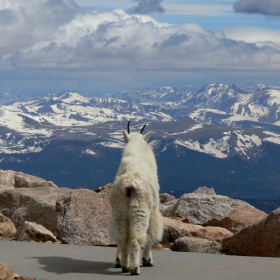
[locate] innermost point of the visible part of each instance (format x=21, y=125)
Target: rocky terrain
x=222, y=136
x=35, y=210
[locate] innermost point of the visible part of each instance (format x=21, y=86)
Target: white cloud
x=55, y=34
x=172, y=7
x=147, y=7
x=105, y=4
x=265, y=7
x=252, y=34
x=183, y=8
x=25, y=22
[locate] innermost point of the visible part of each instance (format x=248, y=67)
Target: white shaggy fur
x=134, y=197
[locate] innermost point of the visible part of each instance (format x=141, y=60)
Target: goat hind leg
x=135, y=247
x=154, y=234
x=122, y=258
x=118, y=258
x=125, y=257
x=147, y=259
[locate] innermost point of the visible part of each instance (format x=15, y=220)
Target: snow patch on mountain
x=273, y=137
x=274, y=97
x=89, y=152
x=20, y=145
x=200, y=114
x=112, y=144
x=21, y=122
x=116, y=135
x=73, y=97
x=192, y=128
x=155, y=143
x=233, y=142
x=246, y=143
x=203, y=148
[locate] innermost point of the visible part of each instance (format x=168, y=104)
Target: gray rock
x=238, y=219
x=33, y=205
x=7, y=178
x=166, y=197
x=23, y=182
x=7, y=227
x=6, y=273
x=2, y=187
x=203, y=207
x=174, y=229
x=83, y=217
x=165, y=208
x=31, y=231
x=197, y=245
x=205, y=190
x=261, y=239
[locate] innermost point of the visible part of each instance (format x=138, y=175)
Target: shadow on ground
x=63, y=265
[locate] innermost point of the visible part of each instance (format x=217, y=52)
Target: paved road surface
x=70, y=262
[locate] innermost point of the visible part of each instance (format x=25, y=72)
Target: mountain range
x=225, y=137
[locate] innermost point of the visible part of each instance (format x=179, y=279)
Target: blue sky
x=210, y=14
x=103, y=46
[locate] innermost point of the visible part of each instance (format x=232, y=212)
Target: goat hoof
x=118, y=263
x=147, y=263
x=125, y=269
x=135, y=271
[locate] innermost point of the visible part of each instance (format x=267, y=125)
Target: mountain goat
x=135, y=220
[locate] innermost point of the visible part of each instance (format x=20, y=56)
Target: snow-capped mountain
x=254, y=105
x=220, y=104
x=70, y=109
x=156, y=96
x=227, y=126
x=223, y=105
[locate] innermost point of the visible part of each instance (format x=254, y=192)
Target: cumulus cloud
x=39, y=36
x=147, y=7
x=265, y=7
x=7, y=17
x=252, y=34
x=25, y=22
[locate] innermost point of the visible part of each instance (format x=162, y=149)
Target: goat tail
x=130, y=187
x=155, y=230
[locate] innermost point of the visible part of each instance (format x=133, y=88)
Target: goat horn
x=128, y=130
x=142, y=128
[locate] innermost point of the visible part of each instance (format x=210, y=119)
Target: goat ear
x=147, y=136
x=125, y=135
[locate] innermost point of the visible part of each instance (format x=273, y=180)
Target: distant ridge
x=225, y=137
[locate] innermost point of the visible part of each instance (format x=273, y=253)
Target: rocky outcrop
x=6, y=273
x=204, y=205
x=43, y=211
x=174, y=229
x=7, y=228
x=31, y=204
x=166, y=208
x=10, y=179
x=205, y=190
x=31, y=231
x=184, y=220
x=238, y=219
x=166, y=197
x=2, y=187
x=261, y=239
x=23, y=182
x=197, y=245
x=83, y=217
